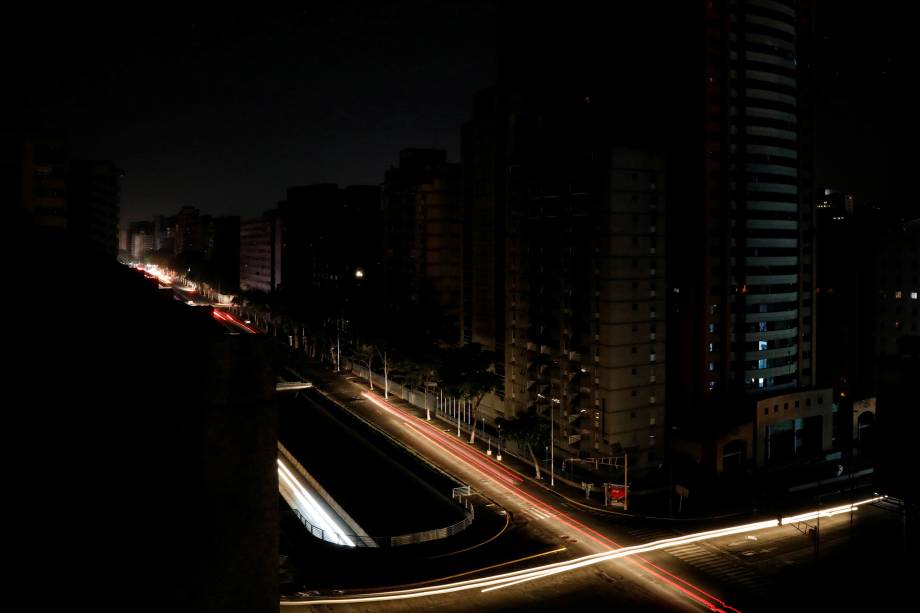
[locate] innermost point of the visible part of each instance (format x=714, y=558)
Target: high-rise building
x=122, y=240
x=94, y=192
x=484, y=154
x=45, y=168
x=325, y=238
x=898, y=304
x=742, y=266
x=140, y=235
x=189, y=231
x=164, y=233
x=564, y=238
x=224, y=254
x=422, y=233
x=840, y=277
x=757, y=284
x=585, y=297
x=736, y=292
x=260, y=253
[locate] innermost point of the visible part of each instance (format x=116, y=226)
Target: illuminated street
x=691, y=571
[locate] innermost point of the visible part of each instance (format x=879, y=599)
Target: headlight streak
x=316, y=512
x=521, y=576
x=494, y=469
x=829, y=512
x=508, y=579
x=635, y=549
x=561, y=517
x=227, y=317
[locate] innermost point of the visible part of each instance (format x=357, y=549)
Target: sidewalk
x=564, y=489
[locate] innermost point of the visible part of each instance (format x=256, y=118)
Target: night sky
x=224, y=110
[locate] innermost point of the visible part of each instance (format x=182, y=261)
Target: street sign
x=682, y=491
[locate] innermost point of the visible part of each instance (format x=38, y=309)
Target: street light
x=552, y=446
x=499, y=456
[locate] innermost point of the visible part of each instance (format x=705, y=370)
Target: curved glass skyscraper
x=758, y=280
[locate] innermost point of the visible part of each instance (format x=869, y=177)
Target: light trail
x=314, y=510
x=499, y=581
x=491, y=469
x=518, y=577
x=846, y=508
x=515, y=577
x=694, y=592
x=229, y=318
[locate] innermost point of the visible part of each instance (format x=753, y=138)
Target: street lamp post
x=552, y=445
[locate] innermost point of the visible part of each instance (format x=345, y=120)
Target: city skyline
x=225, y=111
x=464, y=306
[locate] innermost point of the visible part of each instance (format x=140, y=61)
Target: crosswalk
x=720, y=565
x=533, y=512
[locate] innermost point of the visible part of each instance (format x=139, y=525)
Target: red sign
x=616, y=492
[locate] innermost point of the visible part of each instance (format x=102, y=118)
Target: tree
x=421, y=370
x=528, y=430
x=364, y=354
x=468, y=372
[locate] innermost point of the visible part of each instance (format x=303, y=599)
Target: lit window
x=913, y=295
x=897, y=294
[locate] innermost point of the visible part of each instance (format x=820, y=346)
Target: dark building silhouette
x=44, y=170
x=224, y=254
x=75, y=202
x=190, y=235
x=898, y=265
x=564, y=237
x=93, y=195
x=737, y=284
x=841, y=246
x=422, y=234
x=330, y=248
x=164, y=233
x=895, y=429
x=155, y=466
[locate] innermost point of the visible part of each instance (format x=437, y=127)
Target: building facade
x=260, y=254
x=94, y=193
x=585, y=297
x=423, y=234
x=758, y=278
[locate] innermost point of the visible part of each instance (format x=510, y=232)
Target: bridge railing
x=389, y=541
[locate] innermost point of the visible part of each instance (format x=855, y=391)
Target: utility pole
x=552, y=443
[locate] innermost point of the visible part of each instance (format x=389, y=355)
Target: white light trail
x=508, y=579
x=316, y=513
x=792, y=519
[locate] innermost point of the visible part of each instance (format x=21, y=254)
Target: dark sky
x=224, y=109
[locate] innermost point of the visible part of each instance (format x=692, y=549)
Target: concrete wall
x=797, y=405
